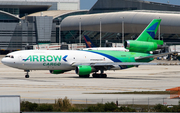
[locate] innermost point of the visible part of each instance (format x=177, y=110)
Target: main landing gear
x=27, y=75
x=101, y=75
x=84, y=76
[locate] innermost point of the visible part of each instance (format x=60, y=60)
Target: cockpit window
x=7, y=56
x=10, y=56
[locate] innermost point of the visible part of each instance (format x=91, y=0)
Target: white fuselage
x=51, y=59
x=108, y=48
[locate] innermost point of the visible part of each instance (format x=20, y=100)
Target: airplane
x=91, y=46
x=85, y=62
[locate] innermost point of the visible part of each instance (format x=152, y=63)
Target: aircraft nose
x=4, y=61
x=9, y=62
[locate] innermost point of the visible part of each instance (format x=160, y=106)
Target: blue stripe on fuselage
x=108, y=56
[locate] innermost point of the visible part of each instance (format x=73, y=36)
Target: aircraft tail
x=145, y=42
x=88, y=42
x=150, y=31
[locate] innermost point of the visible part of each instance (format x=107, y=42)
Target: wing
x=106, y=64
x=94, y=64
x=114, y=63
x=154, y=56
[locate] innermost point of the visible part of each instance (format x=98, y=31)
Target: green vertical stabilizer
x=149, y=33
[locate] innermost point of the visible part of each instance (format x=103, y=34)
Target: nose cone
x=7, y=62
x=3, y=60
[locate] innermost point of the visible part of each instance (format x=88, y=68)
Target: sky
x=87, y=4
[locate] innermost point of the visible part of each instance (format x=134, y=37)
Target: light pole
x=100, y=32
x=59, y=31
x=80, y=30
x=122, y=29
x=159, y=35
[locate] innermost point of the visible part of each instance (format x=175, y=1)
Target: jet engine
x=83, y=70
x=57, y=71
x=141, y=46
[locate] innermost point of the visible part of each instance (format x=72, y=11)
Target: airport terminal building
x=30, y=22
x=112, y=18
x=19, y=28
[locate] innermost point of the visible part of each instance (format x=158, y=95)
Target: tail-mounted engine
x=141, y=46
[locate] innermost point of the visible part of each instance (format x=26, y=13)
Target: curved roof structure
x=134, y=21
x=126, y=5
x=55, y=13
x=10, y=15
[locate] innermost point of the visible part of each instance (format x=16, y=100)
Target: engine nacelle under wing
x=83, y=70
x=57, y=71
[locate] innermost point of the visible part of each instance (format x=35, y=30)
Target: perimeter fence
x=133, y=101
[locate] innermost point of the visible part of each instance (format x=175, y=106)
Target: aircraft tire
x=26, y=76
x=99, y=76
x=174, y=57
x=84, y=76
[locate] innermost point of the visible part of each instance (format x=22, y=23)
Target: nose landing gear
x=27, y=75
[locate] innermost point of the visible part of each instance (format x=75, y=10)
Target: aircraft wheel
x=26, y=76
x=104, y=76
x=94, y=75
x=169, y=57
x=84, y=76
x=99, y=76
x=174, y=57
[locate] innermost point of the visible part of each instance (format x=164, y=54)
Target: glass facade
x=59, y=19
x=73, y=37
x=15, y=36
x=7, y=18
x=14, y=11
